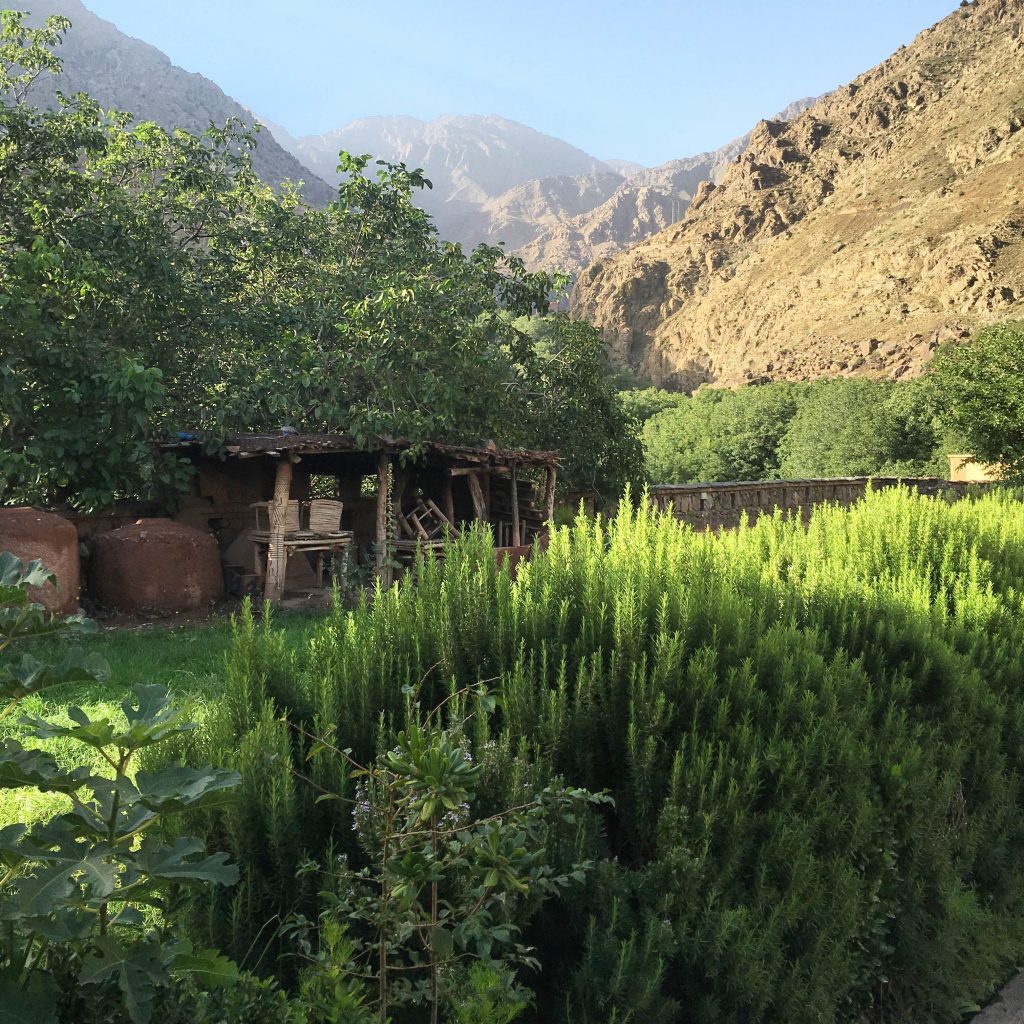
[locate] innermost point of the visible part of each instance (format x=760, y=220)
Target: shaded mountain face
x=128, y=74
x=852, y=239
x=645, y=202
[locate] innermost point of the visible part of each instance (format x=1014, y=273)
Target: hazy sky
x=647, y=80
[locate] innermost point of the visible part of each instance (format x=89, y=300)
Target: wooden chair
x=427, y=522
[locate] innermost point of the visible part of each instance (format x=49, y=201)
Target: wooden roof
x=274, y=445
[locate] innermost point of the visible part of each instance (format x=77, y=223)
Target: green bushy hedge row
x=814, y=737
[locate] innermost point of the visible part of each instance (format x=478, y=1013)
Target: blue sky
x=647, y=80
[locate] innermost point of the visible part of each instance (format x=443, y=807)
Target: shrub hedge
x=814, y=736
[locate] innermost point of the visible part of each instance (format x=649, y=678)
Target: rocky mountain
x=851, y=239
x=470, y=162
x=647, y=201
x=126, y=73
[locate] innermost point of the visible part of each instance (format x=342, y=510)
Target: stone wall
x=712, y=506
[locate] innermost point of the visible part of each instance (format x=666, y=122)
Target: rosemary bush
x=813, y=735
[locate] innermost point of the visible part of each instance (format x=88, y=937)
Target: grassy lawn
x=187, y=659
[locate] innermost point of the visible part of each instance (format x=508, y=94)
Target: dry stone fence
x=714, y=506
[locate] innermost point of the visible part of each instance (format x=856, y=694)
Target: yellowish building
x=963, y=469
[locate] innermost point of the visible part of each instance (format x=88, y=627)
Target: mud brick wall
x=724, y=505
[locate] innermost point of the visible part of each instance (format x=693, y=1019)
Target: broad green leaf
x=138, y=970
x=35, y=1005
x=177, y=861
x=176, y=787
x=37, y=768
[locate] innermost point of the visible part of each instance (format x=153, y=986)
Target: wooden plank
x=277, y=552
x=477, y=494
x=383, y=527
x=516, y=534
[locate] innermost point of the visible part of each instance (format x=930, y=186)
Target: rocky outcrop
x=852, y=239
x=128, y=74
x=646, y=202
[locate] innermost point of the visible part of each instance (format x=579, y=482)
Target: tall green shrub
x=813, y=736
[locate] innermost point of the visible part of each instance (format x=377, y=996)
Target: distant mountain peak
x=129, y=74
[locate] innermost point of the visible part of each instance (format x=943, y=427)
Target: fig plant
x=81, y=893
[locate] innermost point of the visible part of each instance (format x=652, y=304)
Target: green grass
x=188, y=660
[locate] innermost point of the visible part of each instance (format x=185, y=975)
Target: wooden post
x=277, y=553
x=477, y=494
x=383, y=526
x=449, y=500
x=516, y=535
x=549, y=494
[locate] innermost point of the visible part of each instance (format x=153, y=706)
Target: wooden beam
x=471, y=470
x=277, y=553
x=549, y=493
x=477, y=494
x=383, y=531
x=517, y=538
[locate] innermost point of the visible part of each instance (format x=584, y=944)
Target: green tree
x=570, y=402
x=720, y=434
x=981, y=387
x=151, y=283
x=859, y=427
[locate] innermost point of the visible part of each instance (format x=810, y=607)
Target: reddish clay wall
x=29, y=533
x=155, y=566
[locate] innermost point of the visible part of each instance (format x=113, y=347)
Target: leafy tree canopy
x=981, y=387
x=842, y=427
x=151, y=283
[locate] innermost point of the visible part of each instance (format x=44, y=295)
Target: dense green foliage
x=814, y=737
x=982, y=388
x=150, y=282
x=829, y=428
x=75, y=885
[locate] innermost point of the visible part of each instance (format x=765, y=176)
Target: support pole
x=477, y=494
x=549, y=494
x=383, y=531
x=449, y=500
x=277, y=552
x=516, y=535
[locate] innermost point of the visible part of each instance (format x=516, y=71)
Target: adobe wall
x=723, y=505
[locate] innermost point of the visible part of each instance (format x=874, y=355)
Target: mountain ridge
x=130, y=74
x=852, y=239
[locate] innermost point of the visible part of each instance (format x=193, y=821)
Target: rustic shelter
x=276, y=499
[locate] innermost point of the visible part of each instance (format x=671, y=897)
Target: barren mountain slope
x=646, y=202
x=849, y=240
x=128, y=74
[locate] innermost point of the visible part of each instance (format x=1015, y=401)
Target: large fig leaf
x=18, y=678
x=176, y=787
x=208, y=967
x=150, y=717
x=178, y=862
x=138, y=970
x=21, y=767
